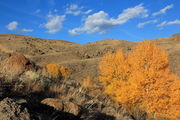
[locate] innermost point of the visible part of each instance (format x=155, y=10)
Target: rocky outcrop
x=72, y=108
x=11, y=110
x=53, y=102
x=17, y=64
x=59, y=105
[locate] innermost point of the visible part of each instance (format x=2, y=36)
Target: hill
x=81, y=59
x=73, y=97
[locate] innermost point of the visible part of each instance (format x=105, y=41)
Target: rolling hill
x=82, y=60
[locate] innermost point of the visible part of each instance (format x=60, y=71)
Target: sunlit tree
x=142, y=78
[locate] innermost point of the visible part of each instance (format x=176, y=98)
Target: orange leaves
x=114, y=71
x=142, y=78
x=147, y=56
x=57, y=70
x=175, y=95
x=53, y=69
x=114, y=67
x=64, y=71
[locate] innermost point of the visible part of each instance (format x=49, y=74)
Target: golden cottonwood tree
x=142, y=78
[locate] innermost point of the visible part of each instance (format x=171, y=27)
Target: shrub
x=53, y=69
x=32, y=75
x=142, y=78
x=57, y=70
x=88, y=83
x=64, y=71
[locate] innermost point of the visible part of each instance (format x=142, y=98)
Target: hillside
x=81, y=59
x=30, y=92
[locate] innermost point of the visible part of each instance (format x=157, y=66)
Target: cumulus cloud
x=75, y=10
x=54, y=23
x=141, y=25
x=163, y=11
x=101, y=22
x=166, y=23
x=12, y=25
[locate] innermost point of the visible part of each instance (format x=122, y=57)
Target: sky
x=84, y=21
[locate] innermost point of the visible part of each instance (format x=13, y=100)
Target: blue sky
x=84, y=21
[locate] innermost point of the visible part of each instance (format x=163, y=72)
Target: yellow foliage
x=87, y=83
x=53, y=69
x=142, y=78
x=57, y=70
x=64, y=71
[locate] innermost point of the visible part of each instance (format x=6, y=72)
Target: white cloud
x=165, y=23
x=141, y=25
x=76, y=31
x=129, y=13
x=98, y=22
x=54, y=23
x=163, y=11
x=88, y=11
x=12, y=25
x=75, y=10
x=26, y=30
x=101, y=22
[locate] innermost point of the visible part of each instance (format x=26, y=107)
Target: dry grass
x=87, y=83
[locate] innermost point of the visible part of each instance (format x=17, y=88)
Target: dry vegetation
x=57, y=71
x=138, y=82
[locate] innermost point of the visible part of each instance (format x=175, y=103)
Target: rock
x=73, y=108
x=21, y=101
x=10, y=110
x=17, y=64
x=95, y=115
x=53, y=102
x=57, y=104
